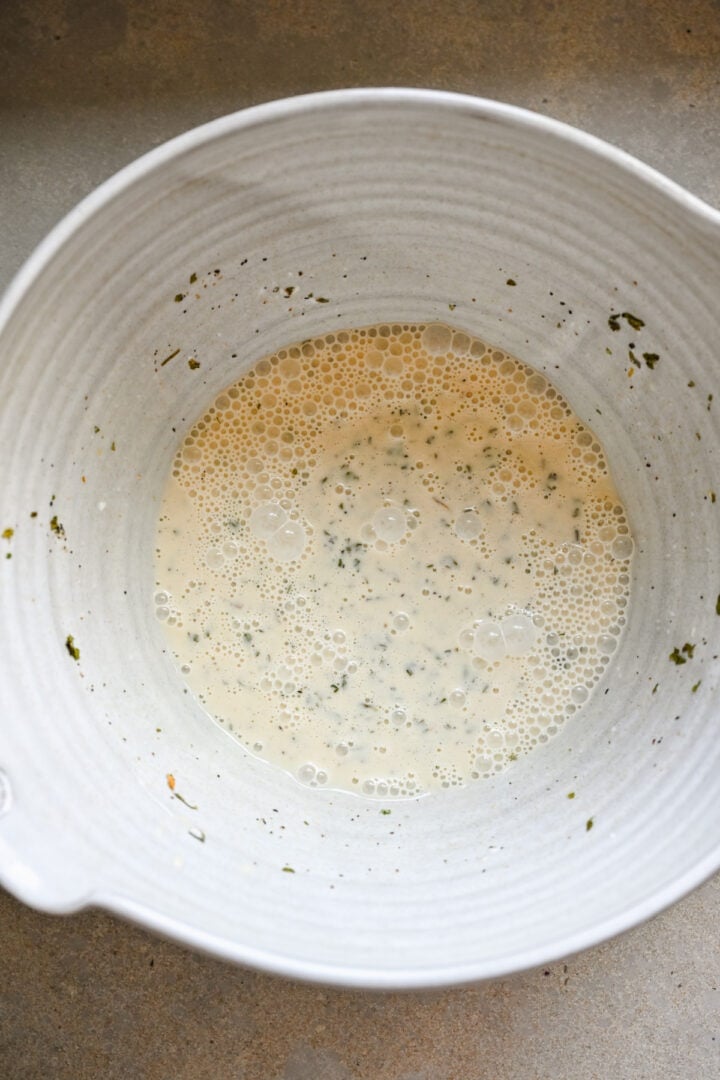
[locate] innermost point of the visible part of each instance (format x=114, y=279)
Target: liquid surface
x=391, y=560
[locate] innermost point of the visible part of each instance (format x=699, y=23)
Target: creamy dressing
x=391, y=560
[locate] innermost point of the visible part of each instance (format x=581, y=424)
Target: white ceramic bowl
x=395, y=204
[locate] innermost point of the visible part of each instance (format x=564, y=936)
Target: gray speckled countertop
x=86, y=86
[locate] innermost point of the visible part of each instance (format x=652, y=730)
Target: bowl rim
x=399, y=979
x=272, y=111
x=371, y=978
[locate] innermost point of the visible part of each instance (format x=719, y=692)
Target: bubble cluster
x=285, y=539
x=392, y=560
x=515, y=635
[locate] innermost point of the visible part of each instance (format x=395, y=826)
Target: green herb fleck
x=717, y=605
x=335, y=687
x=511, y=281
x=655, y=688
x=56, y=526
x=33, y=513
x=632, y=320
x=96, y=429
x=383, y=811
x=452, y=306
x=193, y=279
x=169, y=358
x=288, y=870
x=680, y=656
x=193, y=364
x=571, y=794
x=695, y=687
x=289, y=290
x=651, y=359
x=179, y=297
x=589, y=824
x=8, y=534
x=113, y=446
x=72, y=647
x=190, y=806
x=321, y=300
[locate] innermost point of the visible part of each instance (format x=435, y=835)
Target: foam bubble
x=489, y=641
x=288, y=542
x=520, y=634
x=436, y=339
x=468, y=525
x=622, y=547
x=266, y=519
x=390, y=524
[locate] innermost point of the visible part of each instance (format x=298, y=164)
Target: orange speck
x=170, y=781
x=84, y=479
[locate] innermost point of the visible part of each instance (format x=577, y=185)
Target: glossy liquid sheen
x=391, y=560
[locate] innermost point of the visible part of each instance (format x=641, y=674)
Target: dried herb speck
x=72, y=647
x=681, y=656
x=632, y=320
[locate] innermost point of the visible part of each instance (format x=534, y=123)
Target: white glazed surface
x=424, y=200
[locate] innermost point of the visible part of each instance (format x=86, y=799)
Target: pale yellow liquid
x=392, y=560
